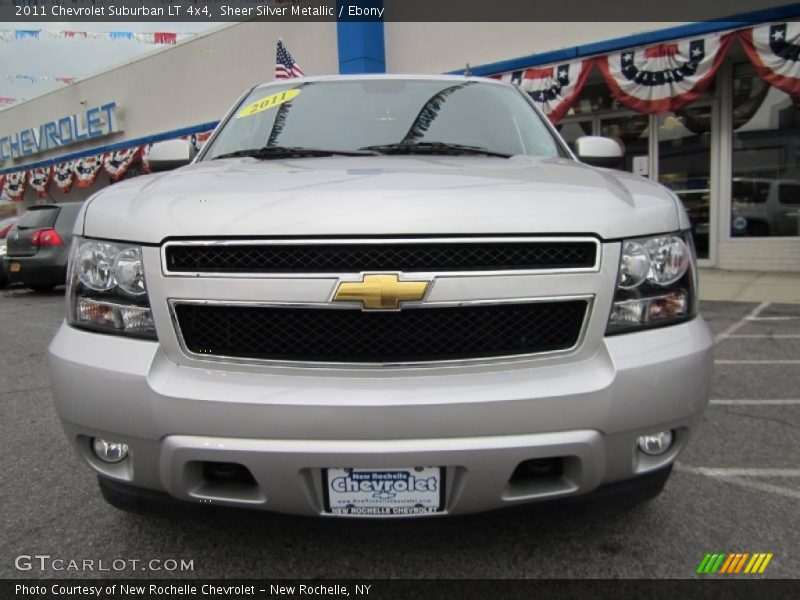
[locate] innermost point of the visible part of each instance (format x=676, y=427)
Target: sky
x=74, y=57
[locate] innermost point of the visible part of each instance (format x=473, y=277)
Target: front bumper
x=286, y=426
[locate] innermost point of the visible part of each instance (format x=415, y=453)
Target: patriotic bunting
x=39, y=179
x=87, y=169
x=84, y=170
x=21, y=34
x=774, y=50
x=117, y=163
x=553, y=88
x=158, y=37
x=32, y=78
x=163, y=37
x=665, y=77
x=64, y=175
x=15, y=185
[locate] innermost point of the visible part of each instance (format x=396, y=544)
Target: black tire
x=41, y=288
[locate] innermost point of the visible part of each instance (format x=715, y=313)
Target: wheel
x=42, y=287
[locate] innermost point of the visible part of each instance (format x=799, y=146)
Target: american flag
x=285, y=67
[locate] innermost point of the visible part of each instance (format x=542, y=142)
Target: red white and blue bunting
x=664, y=77
x=14, y=187
x=157, y=37
x=83, y=170
x=64, y=175
x=39, y=180
x=87, y=169
x=553, y=88
x=117, y=163
x=35, y=78
x=774, y=50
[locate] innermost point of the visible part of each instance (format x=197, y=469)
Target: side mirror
x=599, y=151
x=169, y=154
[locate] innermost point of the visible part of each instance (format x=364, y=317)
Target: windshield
x=367, y=115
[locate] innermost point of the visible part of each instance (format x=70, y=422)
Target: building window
x=684, y=165
x=765, y=191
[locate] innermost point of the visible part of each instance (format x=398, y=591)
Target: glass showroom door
x=684, y=165
x=632, y=132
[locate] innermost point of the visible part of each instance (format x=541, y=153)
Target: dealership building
x=710, y=109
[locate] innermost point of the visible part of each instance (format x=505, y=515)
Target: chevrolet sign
x=70, y=129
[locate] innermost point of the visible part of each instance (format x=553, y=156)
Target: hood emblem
x=377, y=292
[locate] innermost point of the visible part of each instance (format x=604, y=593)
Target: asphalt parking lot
x=735, y=489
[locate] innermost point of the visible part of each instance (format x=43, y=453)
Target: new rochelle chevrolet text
x=382, y=296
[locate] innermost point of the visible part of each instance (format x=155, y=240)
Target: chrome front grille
x=274, y=300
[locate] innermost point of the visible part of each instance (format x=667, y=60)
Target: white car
x=762, y=207
x=382, y=296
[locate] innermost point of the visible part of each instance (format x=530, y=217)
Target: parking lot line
x=743, y=321
x=748, y=478
x=782, y=318
x=755, y=402
x=746, y=472
x=743, y=336
x=724, y=361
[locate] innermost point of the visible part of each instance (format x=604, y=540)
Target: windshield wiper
x=432, y=148
x=290, y=152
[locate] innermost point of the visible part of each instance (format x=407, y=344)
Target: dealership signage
x=64, y=131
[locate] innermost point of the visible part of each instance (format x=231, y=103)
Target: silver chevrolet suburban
x=382, y=296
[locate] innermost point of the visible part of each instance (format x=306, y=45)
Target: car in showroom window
x=382, y=296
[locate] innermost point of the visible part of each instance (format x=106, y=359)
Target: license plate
x=401, y=492
x=14, y=267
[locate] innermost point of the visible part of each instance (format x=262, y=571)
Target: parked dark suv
x=38, y=245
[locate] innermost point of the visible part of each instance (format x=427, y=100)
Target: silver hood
x=379, y=195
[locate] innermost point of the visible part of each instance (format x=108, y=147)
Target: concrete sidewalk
x=750, y=286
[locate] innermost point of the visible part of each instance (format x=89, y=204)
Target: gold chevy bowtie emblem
x=380, y=291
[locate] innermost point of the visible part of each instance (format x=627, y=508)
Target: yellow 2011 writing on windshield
x=267, y=102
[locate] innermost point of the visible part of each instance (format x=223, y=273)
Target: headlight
x=107, y=289
x=655, y=283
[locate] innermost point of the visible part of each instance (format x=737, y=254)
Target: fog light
x=110, y=452
x=655, y=444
